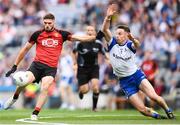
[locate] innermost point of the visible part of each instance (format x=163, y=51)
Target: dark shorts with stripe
x=41, y=70
x=86, y=73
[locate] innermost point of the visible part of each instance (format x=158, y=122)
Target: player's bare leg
x=147, y=88
x=137, y=102
x=13, y=99
x=63, y=97
x=71, y=98
x=45, y=84
x=67, y=97
x=19, y=89
x=95, y=88
x=83, y=89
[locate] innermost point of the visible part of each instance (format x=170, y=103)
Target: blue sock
x=168, y=110
x=155, y=115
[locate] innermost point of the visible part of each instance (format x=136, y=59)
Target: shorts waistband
x=120, y=78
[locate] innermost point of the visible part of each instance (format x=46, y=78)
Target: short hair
x=49, y=16
x=124, y=27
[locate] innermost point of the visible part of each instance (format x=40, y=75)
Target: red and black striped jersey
x=49, y=45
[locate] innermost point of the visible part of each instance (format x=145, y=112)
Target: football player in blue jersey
x=122, y=48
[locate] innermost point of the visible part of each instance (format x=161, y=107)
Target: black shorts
x=41, y=70
x=85, y=74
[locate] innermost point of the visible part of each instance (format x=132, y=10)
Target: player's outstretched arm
x=19, y=57
x=84, y=38
x=112, y=9
x=135, y=41
x=23, y=52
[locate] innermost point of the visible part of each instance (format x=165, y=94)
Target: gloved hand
x=12, y=70
x=99, y=35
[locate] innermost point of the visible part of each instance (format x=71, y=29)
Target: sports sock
x=81, y=95
x=170, y=113
x=36, y=111
x=95, y=99
x=168, y=110
x=155, y=115
x=16, y=95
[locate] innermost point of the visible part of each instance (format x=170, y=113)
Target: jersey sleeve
x=101, y=47
x=66, y=35
x=75, y=47
x=102, y=50
x=34, y=36
x=111, y=43
x=129, y=45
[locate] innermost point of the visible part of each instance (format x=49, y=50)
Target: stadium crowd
x=155, y=23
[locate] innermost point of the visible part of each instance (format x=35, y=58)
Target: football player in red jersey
x=150, y=68
x=49, y=41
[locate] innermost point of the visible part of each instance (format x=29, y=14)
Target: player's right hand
x=112, y=9
x=12, y=70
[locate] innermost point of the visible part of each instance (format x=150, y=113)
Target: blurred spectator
x=66, y=80
x=150, y=67
x=30, y=94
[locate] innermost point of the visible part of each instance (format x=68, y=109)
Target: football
x=20, y=78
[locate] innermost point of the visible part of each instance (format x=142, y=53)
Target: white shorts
x=66, y=81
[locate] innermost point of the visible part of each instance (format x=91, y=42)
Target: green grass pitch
x=64, y=117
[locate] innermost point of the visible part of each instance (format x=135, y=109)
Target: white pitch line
x=27, y=120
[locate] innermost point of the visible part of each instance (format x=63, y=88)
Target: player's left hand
x=12, y=70
x=131, y=37
x=100, y=35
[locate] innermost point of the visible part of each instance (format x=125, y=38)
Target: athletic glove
x=12, y=70
x=99, y=35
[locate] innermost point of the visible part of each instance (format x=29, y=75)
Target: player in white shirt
x=122, y=48
x=66, y=80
